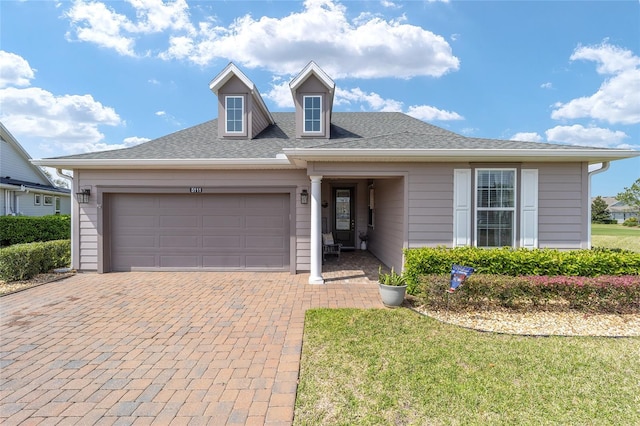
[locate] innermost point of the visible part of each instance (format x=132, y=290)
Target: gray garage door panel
x=195, y=231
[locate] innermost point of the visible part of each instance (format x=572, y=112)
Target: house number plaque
x=195, y=189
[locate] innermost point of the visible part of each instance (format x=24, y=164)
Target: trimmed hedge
x=28, y=229
x=23, y=261
x=518, y=262
x=603, y=294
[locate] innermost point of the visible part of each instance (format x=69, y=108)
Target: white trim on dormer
x=312, y=68
x=320, y=119
x=232, y=70
x=242, y=120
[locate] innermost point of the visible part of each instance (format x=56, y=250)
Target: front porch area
x=353, y=267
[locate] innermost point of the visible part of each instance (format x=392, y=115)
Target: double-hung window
x=234, y=107
x=312, y=114
x=495, y=207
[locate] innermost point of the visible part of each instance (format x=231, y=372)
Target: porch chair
x=329, y=246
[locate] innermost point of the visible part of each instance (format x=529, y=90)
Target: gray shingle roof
x=349, y=130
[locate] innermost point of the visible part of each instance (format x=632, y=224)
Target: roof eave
x=456, y=155
x=168, y=163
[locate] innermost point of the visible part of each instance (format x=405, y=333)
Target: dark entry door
x=344, y=223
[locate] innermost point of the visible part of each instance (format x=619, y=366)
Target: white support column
x=316, y=231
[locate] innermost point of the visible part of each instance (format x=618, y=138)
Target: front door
x=344, y=225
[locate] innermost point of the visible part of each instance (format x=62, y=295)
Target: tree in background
x=600, y=211
x=60, y=183
x=631, y=196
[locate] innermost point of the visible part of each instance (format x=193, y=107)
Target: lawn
x=379, y=367
x=615, y=236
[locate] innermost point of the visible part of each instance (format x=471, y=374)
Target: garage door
x=199, y=231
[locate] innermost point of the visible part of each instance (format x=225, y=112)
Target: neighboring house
x=619, y=211
x=231, y=193
x=26, y=190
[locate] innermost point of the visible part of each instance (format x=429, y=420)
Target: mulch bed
x=536, y=322
x=15, y=286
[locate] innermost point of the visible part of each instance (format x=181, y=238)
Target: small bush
x=23, y=261
x=632, y=221
x=517, y=262
x=29, y=229
x=603, y=294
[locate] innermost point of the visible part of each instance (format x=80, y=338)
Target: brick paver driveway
x=160, y=348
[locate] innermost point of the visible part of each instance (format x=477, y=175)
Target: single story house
x=25, y=189
x=620, y=211
x=255, y=189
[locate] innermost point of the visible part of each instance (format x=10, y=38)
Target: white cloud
x=611, y=59
x=365, y=47
x=82, y=147
x=429, y=113
x=527, y=137
x=14, y=70
x=617, y=101
x=160, y=113
x=280, y=94
x=373, y=101
x=61, y=122
x=389, y=4
x=95, y=22
x=546, y=85
x=587, y=136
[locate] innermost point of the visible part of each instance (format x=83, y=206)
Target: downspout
x=73, y=215
x=603, y=168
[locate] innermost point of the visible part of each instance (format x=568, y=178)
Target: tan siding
x=88, y=214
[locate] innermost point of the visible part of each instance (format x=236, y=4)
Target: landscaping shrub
x=23, y=261
x=517, y=262
x=632, y=221
x=603, y=294
x=28, y=229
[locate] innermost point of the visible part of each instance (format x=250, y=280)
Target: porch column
x=316, y=230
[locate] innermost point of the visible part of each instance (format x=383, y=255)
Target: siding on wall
x=422, y=217
x=13, y=164
x=387, y=239
x=431, y=205
x=88, y=213
x=562, y=214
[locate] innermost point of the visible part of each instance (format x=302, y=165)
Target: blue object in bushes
x=458, y=275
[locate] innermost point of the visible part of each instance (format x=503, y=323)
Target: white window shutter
x=462, y=207
x=529, y=209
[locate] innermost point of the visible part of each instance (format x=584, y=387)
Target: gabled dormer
x=242, y=113
x=313, y=92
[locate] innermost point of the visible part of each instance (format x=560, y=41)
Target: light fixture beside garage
x=83, y=195
x=304, y=197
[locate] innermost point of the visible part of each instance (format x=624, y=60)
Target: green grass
x=615, y=236
x=381, y=367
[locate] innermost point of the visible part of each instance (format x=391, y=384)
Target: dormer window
x=234, y=107
x=312, y=114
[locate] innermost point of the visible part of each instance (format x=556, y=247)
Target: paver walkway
x=161, y=348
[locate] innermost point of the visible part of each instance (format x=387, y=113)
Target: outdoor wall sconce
x=325, y=204
x=304, y=197
x=83, y=195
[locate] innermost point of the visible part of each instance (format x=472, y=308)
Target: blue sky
x=78, y=76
